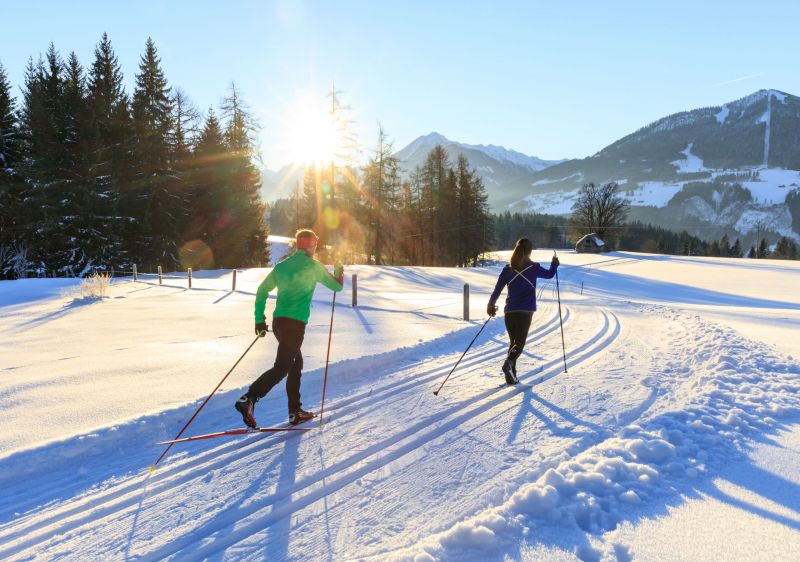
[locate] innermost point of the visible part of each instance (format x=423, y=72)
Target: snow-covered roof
x=594, y=237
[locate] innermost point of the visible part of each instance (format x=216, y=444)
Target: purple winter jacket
x=521, y=286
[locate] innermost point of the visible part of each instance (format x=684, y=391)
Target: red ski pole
x=153, y=466
x=327, y=359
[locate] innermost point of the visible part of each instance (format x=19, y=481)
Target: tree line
x=602, y=210
x=94, y=178
x=436, y=216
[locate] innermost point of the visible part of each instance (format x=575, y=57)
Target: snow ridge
x=742, y=391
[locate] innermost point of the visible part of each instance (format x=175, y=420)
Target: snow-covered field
x=674, y=435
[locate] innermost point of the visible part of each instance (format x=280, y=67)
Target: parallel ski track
x=126, y=497
x=457, y=416
x=170, y=475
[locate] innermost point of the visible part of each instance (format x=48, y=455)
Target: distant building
x=590, y=244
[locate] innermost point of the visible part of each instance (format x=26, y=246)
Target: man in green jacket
x=296, y=277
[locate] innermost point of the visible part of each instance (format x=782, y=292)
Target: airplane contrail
x=748, y=77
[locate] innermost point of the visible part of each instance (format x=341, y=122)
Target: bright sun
x=310, y=134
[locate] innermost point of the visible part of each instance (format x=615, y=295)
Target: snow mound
x=730, y=396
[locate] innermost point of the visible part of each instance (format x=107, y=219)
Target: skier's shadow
x=257, y=483
x=528, y=406
x=277, y=543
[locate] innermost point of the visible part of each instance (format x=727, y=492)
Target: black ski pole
x=436, y=392
x=153, y=466
x=560, y=320
x=327, y=360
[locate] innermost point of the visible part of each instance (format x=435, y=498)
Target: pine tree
x=475, y=230
x=11, y=185
x=763, y=249
x=110, y=145
x=435, y=177
x=9, y=141
x=381, y=181
x=185, y=118
x=161, y=212
x=43, y=162
x=81, y=233
x=246, y=236
x=206, y=198
x=785, y=249
x=736, y=250
x=724, y=246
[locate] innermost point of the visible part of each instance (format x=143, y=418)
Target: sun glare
x=310, y=135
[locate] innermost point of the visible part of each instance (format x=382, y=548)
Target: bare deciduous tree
x=599, y=209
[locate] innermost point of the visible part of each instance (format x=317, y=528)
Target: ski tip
x=151, y=468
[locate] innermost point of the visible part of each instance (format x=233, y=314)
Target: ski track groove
x=130, y=495
x=176, y=474
x=488, y=400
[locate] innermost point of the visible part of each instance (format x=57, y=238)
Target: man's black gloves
x=261, y=329
x=555, y=262
x=491, y=309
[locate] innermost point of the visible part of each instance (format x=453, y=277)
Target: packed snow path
x=396, y=471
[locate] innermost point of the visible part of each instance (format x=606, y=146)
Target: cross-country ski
x=233, y=432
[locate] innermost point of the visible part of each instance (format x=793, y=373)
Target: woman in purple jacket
x=520, y=276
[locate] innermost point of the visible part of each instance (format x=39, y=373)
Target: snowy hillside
x=675, y=433
x=706, y=154
x=497, y=165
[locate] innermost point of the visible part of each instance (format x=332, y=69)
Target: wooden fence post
x=466, y=302
x=355, y=289
x=190, y=277
x=233, y=284
x=160, y=275
x=135, y=274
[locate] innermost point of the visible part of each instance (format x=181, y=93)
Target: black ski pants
x=517, y=326
x=289, y=333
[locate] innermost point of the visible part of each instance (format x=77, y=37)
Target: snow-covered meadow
x=675, y=433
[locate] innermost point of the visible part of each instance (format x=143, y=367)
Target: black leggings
x=289, y=333
x=517, y=325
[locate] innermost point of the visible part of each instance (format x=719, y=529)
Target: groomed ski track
x=278, y=480
x=393, y=467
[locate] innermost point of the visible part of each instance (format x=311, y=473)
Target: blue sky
x=555, y=79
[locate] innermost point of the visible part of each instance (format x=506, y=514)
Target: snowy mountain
x=731, y=167
x=497, y=165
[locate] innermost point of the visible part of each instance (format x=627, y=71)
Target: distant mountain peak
x=495, y=163
x=434, y=137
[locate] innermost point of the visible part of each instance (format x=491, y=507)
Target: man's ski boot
x=299, y=416
x=507, y=371
x=245, y=406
